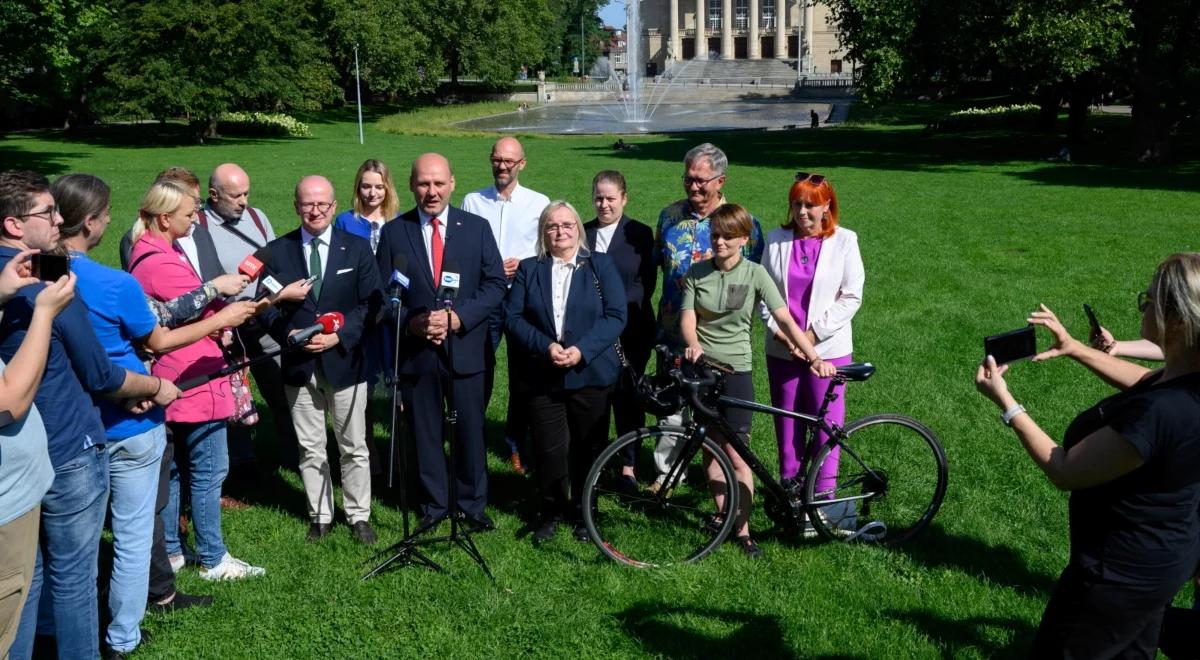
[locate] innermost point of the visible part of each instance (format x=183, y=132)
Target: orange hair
x=813, y=193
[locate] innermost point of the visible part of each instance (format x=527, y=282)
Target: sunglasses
x=815, y=179
x=1143, y=301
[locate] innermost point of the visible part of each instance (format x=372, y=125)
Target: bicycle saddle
x=857, y=371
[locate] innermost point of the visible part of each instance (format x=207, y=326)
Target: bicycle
x=889, y=485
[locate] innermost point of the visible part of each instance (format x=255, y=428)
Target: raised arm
x=1112, y=370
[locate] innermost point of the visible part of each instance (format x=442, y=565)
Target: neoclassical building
x=742, y=30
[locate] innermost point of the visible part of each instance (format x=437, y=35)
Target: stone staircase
x=763, y=72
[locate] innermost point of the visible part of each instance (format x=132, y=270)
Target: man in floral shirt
x=682, y=239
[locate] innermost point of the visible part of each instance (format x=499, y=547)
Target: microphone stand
x=405, y=551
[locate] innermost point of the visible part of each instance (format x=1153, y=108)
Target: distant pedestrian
x=814, y=118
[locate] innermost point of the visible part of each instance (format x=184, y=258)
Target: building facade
x=741, y=30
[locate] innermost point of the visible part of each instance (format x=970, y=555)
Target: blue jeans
x=69, y=546
x=133, y=465
x=201, y=450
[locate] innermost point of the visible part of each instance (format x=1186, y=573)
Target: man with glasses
x=328, y=373
x=77, y=366
x=512, y=211
x=681, y=240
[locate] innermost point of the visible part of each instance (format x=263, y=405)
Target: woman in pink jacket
x=197, y=419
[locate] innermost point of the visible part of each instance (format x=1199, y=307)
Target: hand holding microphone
x=320, y=336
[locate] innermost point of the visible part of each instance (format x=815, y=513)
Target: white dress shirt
x=514, y=221
x=188, y=245
x=560, y=286
x=427, y=236
x=604, y=236
x=306, y=240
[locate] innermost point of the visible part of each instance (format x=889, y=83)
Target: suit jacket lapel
x=333, y=263
x=412, y=229
x=581, y=281
x=546, y=284
x=454, y=250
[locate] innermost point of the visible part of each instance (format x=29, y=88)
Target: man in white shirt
x=512, y=211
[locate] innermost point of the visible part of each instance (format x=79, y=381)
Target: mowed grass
x=962, y=236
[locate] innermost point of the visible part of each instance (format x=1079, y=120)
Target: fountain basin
x=605, y=118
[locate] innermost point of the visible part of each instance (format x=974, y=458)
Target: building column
x=727, y=29
x=701, y=29
x=806, y=56
x=675, y=44
x=753, y=47
x=781, y=12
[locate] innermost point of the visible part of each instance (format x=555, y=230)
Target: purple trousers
x=794, y=387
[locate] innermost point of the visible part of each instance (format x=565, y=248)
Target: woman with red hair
x=818, y=269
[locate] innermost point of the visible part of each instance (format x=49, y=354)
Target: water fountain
x=638, y=106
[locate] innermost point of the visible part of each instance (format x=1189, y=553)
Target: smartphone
x=1011, y=346
x=1095, y=325
x=49, y=267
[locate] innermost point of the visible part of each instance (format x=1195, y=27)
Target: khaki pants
x=347, y=407
x=18, y=550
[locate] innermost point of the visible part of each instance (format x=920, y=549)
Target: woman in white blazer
x=818, y=269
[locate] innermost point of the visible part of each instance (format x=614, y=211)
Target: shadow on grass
x=136, y=136
x=1001, y=565
x=979, y=634
x=662, y=630
x=45, y=163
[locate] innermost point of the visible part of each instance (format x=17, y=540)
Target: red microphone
x=251, y=266
x=327, y=324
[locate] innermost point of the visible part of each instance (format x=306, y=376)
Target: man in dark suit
x=328, y=373
x=430, y=245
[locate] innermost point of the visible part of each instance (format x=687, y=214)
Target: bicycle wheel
x=884, y=485
x=646, y=529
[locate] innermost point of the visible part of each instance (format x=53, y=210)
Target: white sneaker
x=231, y=568
x=177, y=563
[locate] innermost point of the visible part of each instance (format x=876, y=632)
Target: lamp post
x=358, y=93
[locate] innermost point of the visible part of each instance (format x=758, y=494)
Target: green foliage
x=204, y=57
x=563, y=36
x=1013, y=116
x=391, y=64
x=487, y=39
x=261, y=123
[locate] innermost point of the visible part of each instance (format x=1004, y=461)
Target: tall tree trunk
x=1150, y=124
x=1048, y=100
x=1080, y=102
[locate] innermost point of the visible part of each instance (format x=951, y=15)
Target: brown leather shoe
x=232, y=504
x=518, y=467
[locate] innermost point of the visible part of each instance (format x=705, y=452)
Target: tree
x=562, y=42
x=488, y=39
x=395, y=58
x=200, y=58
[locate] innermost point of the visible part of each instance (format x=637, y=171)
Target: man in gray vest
x=239, y=230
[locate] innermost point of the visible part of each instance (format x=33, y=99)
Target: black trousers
x=162, y=578
x=569, y=428
x=1088, y=617
x=424, y=397
x=627, y=410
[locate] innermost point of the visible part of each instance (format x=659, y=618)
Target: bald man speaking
x=453, y=280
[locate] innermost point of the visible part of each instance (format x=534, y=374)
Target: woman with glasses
x=564, y=312
x=631, y=246
x=817, y=267
x=720, y=296
x=1132, y=464
x=197, y=420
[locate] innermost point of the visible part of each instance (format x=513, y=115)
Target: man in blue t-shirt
x=73, y=508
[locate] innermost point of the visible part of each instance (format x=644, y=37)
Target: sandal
x=749, y=547
x=714, y=523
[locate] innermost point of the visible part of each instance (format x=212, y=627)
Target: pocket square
x=344, y=270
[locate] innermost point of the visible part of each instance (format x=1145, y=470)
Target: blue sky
x=613, y=13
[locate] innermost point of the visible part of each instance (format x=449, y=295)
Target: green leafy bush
x=990, y=117
x=261, y=123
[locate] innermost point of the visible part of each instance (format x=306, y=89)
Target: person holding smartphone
x=1132, y=464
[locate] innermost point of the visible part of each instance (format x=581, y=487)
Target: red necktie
x=435, y=251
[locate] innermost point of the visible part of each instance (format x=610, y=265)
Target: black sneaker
x=581, y=533
x=546, y=528
x=363, y=533
x=182, y=601
x=749, y=547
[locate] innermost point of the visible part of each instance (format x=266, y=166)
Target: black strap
x=142, y=258
x=600, y=291
x=237, y=232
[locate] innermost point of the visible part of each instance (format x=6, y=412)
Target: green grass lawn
x=962, y=236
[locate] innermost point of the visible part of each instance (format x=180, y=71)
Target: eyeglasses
x=46, y=214
x=725, y=237
x=568, y=228
x=1143, y=301
x=815, y=179
x=320, y=207
x=506, y=163
x=689, y=181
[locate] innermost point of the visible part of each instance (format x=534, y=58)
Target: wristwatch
x=1008, y=415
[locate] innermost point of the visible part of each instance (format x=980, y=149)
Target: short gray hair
x=716, y=158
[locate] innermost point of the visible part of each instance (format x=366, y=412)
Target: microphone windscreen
x=251, y=266
x=331, y=322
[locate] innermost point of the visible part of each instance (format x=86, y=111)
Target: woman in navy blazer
x=564, y=312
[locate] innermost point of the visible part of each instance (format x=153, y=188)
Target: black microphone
x=327, y=324
x=399, y=279
x=448, y=286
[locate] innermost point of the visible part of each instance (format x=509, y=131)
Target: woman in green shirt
x=720, y=298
